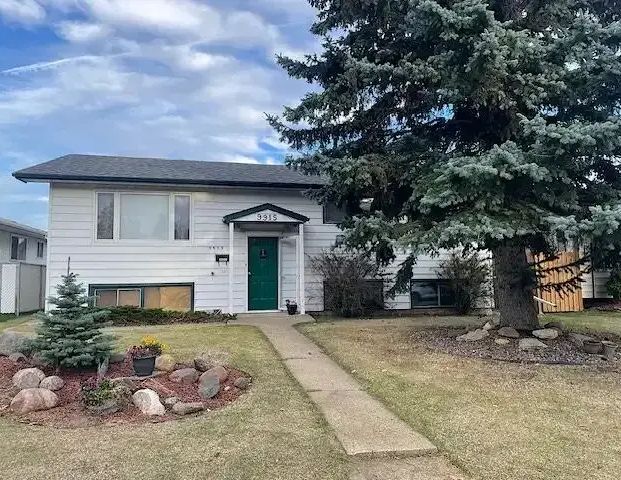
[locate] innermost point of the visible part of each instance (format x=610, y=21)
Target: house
x=23, y=254
x=198, y=235
x=21, y=243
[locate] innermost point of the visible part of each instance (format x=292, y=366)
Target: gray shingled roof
x=19, y=228
x=97, y=168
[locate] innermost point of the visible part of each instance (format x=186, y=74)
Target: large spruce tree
x=491, y=124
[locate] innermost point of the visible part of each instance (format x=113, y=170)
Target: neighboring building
x=23, y=255
x=187, y=234
x=21, y=243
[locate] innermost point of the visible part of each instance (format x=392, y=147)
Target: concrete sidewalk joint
x=363, y=425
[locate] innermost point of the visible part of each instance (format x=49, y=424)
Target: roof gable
x=266, y=213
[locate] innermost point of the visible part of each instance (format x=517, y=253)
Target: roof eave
x=25, y=177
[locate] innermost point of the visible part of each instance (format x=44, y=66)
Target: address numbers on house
x=267, y=217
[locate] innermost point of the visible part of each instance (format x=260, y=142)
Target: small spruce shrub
x=70, y=335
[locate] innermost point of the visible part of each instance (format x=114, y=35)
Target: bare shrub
x=353, y=284
x=468, y=274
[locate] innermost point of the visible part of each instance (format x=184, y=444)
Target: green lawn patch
x=587, y=321
x=496, y=420
x=273, y=431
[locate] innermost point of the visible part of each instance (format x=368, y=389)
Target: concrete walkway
x=363, y=425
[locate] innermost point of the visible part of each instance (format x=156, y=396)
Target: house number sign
x=267, y=217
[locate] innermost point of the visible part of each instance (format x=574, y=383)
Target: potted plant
x=292, y=307
x=592, y=346
x=609, y=350
x=143, y=356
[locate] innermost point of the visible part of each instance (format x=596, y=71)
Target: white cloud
x=80, y=32
x=22, y=11
x=168, y=78
x=165, y=16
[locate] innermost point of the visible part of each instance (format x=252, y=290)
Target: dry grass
x=272, y=432
x=495, y=420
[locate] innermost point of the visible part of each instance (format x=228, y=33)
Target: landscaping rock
x=181, y=408
x=33, y=399
x=28, y=378
x=546, y=333
x=52, y=383
x=185, y=376
x=578, y=338
x=508, y=332
x=473, y=336
x=165, y=363
x=219, y=372
x=488, y=326
x=558, y=325
x=242, y=383
x=11, y=342
x=502, y=341
x=531, y=344
x=170, y=401
x=210, y=359
x=38, y=361
x=117, y=357
x=125, y=382
x=209, y=386
x=18, y=357
x=148, y=402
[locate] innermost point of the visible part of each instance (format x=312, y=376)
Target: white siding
x=594, y=285
x=72, y=234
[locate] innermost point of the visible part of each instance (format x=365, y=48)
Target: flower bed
x=71, y=411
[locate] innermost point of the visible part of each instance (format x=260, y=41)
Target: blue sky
x=171, y=78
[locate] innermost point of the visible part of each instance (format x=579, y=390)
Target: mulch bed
x=70, y=413
x=560, y=351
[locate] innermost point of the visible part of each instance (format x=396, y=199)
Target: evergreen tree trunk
x=515, y=287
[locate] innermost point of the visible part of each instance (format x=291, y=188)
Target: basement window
x=431, y=293
x=167, y=297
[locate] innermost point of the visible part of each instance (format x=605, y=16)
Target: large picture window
x=431, y=293
x=167, y=297
x=144, y=217
x=136, y=216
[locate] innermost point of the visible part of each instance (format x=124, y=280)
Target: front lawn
x=495, y=420
x=590, y=320
x=273, y=431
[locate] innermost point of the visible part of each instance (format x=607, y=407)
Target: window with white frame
x=19, y=246
x=143, y=216
x=40, y=249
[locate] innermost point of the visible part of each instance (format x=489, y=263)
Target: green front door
x=262, y=273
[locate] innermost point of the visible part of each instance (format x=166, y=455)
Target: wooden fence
x=567, y=300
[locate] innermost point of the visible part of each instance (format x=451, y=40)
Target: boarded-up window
x=129, y=298
x=169, y=298
x=105, y=298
